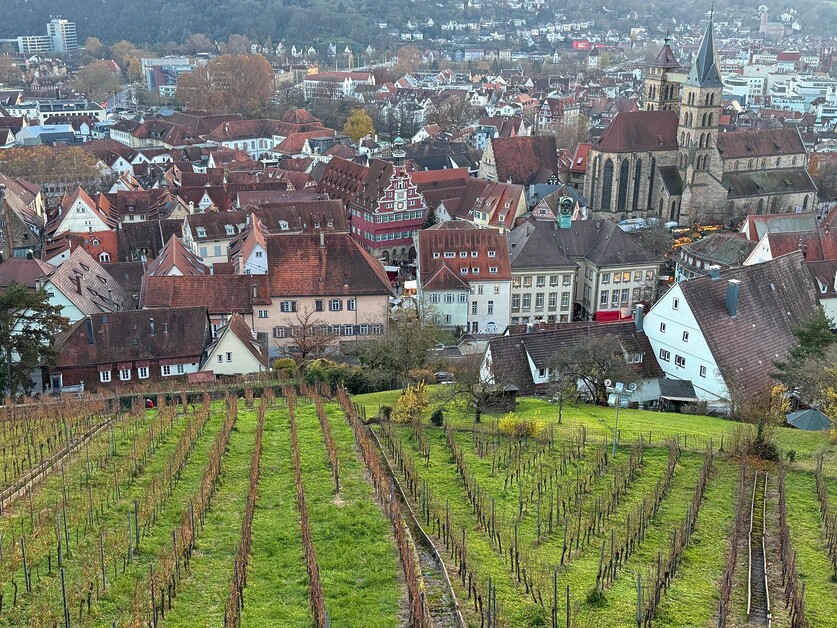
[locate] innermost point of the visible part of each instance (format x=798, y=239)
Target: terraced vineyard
x=282, y=510
x=553, y=531
x=142, y=522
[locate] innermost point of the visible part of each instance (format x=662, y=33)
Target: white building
x=724, y=332
x=464, y=277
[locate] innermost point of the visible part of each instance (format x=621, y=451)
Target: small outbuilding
x=810, y=419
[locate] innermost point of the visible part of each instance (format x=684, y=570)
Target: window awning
x=105, y=367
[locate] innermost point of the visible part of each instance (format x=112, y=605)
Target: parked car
x=444, y=377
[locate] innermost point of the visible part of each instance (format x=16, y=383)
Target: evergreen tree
x=431, y=218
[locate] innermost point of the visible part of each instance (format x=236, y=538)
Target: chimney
x=255, y=292
x=110, y=295
x=91, y=339
x=715, y=272
x=151, y=325
x=191, y=207
x=529, y=328
x=639, y=316
x=322, y=239
x=733, y=287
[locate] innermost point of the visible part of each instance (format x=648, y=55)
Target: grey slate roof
x=774, y=297
x=726, y=249
x=600, y=242
x=530, y=248
x=704, y=72
x=763, y=182
x=677, y=389
x=510, y=364
x=671, y=179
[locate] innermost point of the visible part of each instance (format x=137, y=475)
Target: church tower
x=660, y=91
x=700, y=113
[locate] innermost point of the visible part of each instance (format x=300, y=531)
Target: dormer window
x=95, y=241
x=449, y=254
x=201, y=231
x=230, y=230
x=317, y=224
x=436, y=255
x=475, y=270
x=463, y=254
x=474, y=253
x=330, y=224
x=283, y=225
x=502, y=218
x=492, y=254
x=463, y=270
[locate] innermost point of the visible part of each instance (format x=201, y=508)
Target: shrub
x=385, y=413
x=517, y=427
x=437, y=418
x=699, y=408
x=284, y=365
x=411, y=404
x=422, y=375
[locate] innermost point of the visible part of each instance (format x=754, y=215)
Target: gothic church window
x=622, y=203
x=607, y=184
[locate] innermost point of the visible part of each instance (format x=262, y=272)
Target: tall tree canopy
x=42, y=163
x=229, y=84
x=358, y=125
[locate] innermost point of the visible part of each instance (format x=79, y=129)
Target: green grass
x=695, y=431
x=203, y=594
x=115, y=603
x=808, y=541
x=276, y=592
x=359, y=566
x=693, y=597
x=446, y=487
x=85, y=548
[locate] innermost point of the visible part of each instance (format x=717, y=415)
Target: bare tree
x=308, y=337
x=452, y=113
x=403, y=348
x=590, y=362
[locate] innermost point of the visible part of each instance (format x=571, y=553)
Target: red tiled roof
x=458, y=238
x=760, y=143
x=524, y=160
x=176, y=257
x=219, y=294
x=816, y=245
x=298, y=265
x=640, y=131
x=579, y=164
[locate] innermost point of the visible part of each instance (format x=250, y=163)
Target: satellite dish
x=607, y=383
x=632, y=387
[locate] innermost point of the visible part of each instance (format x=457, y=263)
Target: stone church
x=672, y=162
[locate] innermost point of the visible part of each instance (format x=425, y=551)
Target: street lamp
x=620, y=390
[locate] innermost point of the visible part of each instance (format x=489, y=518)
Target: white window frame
x=104, y=376
x=124, y=375
x=142, y=372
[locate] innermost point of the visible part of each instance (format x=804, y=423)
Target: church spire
x=704, y=71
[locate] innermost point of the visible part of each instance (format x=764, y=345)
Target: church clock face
x=400, y=195
x=399, y=205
